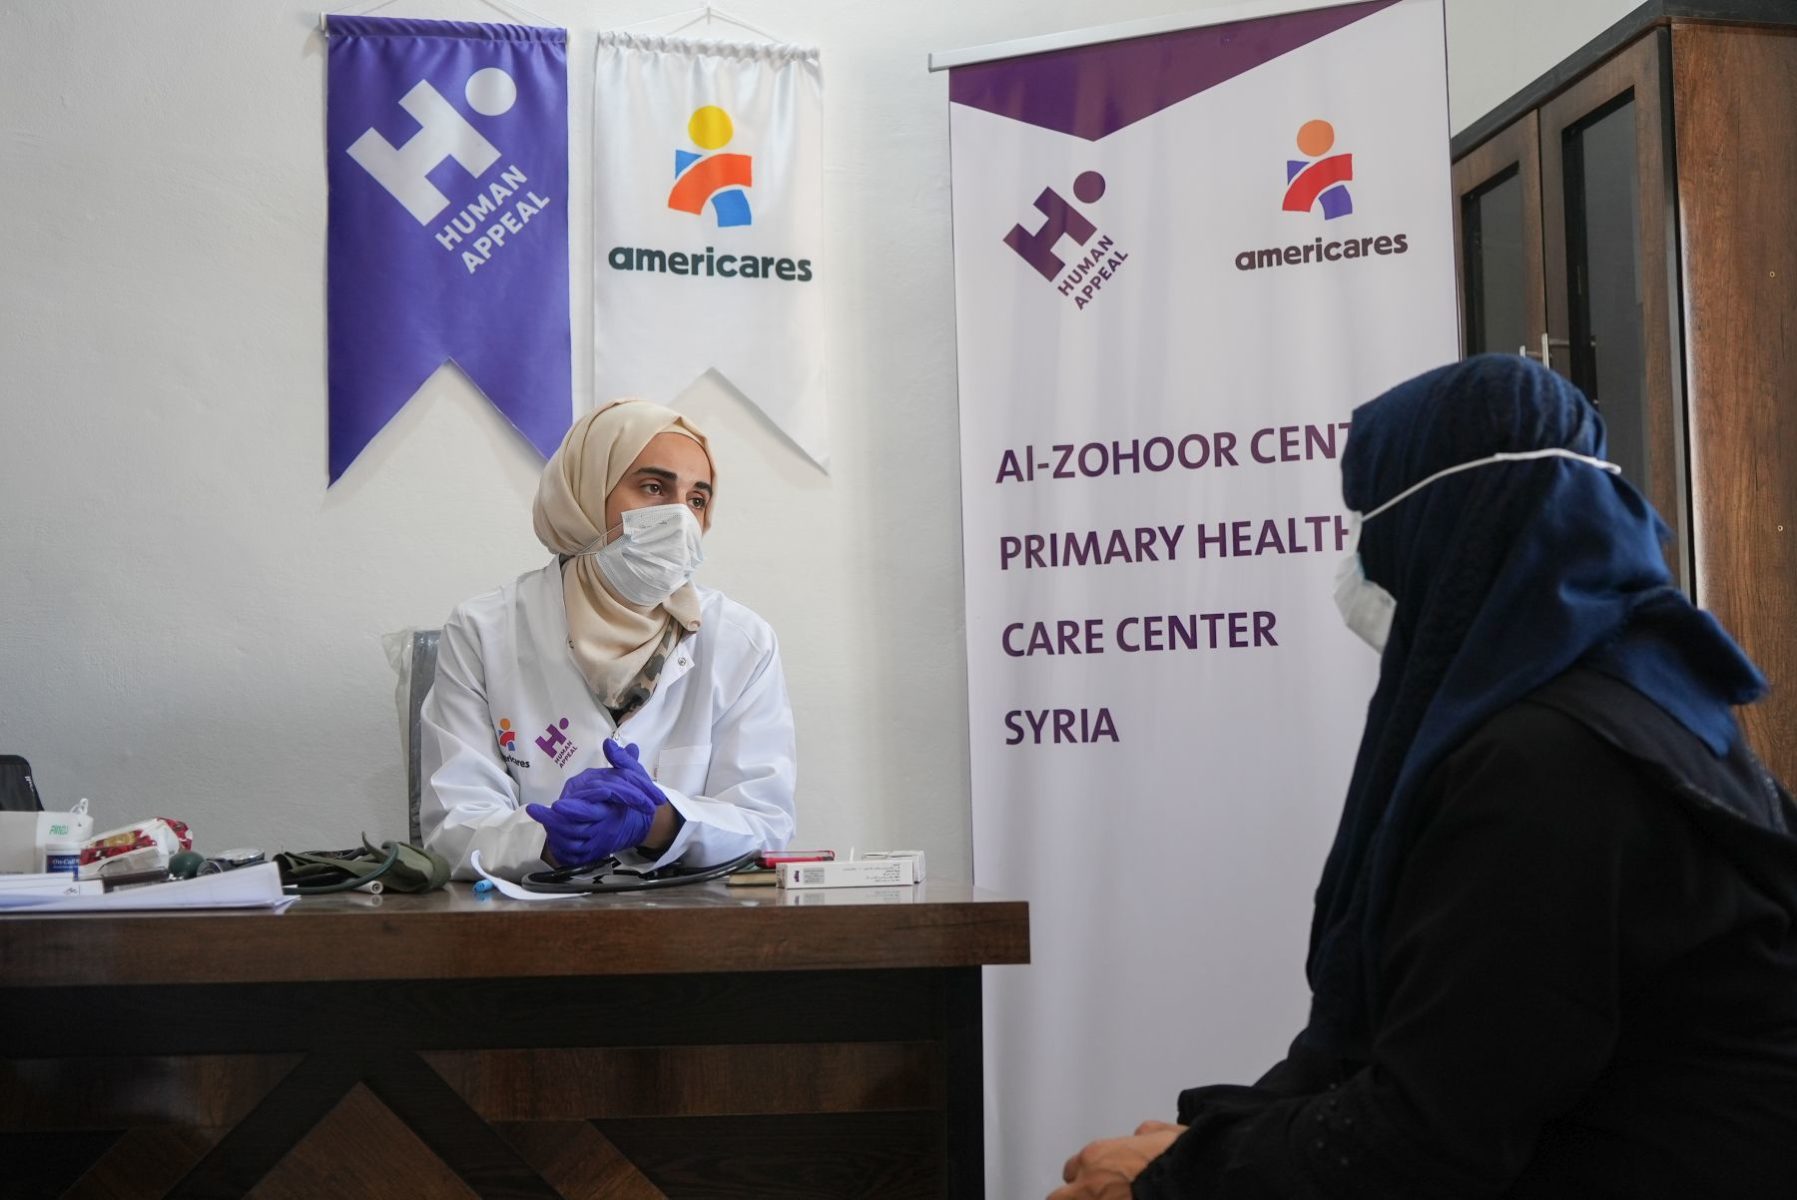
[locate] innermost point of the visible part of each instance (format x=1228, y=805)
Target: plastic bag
x=398, y=646
x=143, y=848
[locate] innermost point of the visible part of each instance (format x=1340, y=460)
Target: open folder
x=247, y=887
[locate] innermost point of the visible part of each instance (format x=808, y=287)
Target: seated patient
x=603, y=703
x=1554, y=951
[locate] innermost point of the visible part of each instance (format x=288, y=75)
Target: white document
x=17, y=890
x=514, y=891
x=248, y=887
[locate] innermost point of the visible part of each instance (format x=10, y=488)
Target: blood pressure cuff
x=399, y=866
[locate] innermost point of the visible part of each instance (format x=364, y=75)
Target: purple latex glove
x=602, y=810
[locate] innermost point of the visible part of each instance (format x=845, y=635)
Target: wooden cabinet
x=1631, y=218
x=1611, y=269
x=1497, y=222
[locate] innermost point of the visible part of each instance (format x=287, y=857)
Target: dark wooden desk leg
x=965, y=1099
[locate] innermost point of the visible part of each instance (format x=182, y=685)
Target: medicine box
x=891, y=868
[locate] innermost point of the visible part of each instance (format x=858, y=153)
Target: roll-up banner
x=1181, y=259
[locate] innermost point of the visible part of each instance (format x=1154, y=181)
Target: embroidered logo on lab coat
x=508, y=742
x=557, y=744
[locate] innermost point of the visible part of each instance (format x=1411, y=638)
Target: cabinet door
x=1612, y=269
x=1497, y=225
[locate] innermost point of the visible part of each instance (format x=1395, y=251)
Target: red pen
x=773, y=858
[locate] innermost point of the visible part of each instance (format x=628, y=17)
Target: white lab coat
x=510, y=719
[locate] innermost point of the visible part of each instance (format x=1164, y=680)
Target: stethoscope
x=610, y=875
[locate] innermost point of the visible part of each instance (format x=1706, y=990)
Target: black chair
x=422, y=672
x=17, y=791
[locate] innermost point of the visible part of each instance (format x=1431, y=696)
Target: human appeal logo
x=1081, y=280
x=444, y=134
x=717, y=177
x=1320, y=177
x=556, y=743
x=1318, y=182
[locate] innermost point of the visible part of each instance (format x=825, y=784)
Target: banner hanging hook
x=515, y=11
x=705, y=14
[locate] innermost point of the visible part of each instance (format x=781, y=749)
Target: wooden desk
x=703, y=1041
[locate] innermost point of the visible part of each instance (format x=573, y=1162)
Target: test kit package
x=888, y=868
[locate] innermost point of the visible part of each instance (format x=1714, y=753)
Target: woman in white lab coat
x=545, y=685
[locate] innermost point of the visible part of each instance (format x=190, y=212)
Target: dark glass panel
x=1603, y=227
x=1491, y=221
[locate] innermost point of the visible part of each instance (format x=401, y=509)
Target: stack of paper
x=248, y=887
x=42, y=888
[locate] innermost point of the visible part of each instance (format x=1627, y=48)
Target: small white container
x=62, y=857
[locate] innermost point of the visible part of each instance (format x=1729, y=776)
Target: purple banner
x=447, y=147
x=1093, y=91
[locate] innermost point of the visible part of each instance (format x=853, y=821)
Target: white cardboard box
x=24, y=835
x=890, y=868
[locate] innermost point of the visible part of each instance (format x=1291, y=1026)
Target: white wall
x=1496, y=47
x=190, y=622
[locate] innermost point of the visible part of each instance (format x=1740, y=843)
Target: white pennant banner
x=708, y=217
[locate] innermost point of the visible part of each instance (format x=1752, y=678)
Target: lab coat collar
x=684, y=652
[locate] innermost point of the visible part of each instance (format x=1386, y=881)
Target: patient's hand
x=1104, y=1170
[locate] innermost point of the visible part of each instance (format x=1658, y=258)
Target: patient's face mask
x=1368, y=609
x=653, y=553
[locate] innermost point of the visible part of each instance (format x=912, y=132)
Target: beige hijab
x=612, y=641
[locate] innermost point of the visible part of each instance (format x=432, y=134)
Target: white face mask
x=1366, y=608
x=654, y=555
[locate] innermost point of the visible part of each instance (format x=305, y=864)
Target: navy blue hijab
x=1505, y=576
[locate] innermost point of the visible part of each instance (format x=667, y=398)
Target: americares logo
x=1324, y=181
x=721, y=180
x=1318, y=182
x=443, y=134
x=508, y=742
x=1081, y=280
x=717, y=177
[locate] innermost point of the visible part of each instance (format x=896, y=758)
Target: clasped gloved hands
x=602, y=810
